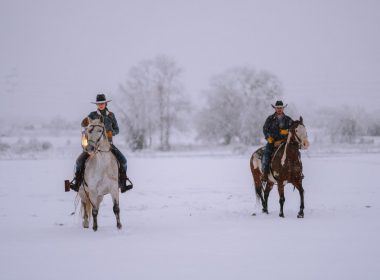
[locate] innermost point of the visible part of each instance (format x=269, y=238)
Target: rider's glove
x=270, y=139
x=109, y=135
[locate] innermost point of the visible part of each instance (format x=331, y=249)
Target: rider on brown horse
x=112, y=129
x=276, y=129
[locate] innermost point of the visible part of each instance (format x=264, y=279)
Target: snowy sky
x=55, y=56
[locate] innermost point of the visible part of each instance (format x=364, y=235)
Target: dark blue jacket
x=110, y=121
x=273, y=125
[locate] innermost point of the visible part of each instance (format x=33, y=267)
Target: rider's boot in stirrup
x=76, y=182
x=124, y=183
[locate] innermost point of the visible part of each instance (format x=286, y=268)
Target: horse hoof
x=300, y=216
x=119, y=226
x=282, y=215
x=253, y=214
x=95, y=228
x=85, y=224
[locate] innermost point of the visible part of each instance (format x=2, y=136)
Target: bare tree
x=343, y=124
x=237, y=103
x=155, y=102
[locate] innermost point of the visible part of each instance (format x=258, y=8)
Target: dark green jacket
x=109, y=119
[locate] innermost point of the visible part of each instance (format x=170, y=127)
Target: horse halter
x=297, y=138
x=93, y=143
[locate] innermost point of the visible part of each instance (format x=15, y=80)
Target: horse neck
x=293, y=150
x=290, y=150
x=104, y=144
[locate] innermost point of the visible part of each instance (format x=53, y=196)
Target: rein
x=86, y=192
x=291, y=139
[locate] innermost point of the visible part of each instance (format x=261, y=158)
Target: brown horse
x=285, y=167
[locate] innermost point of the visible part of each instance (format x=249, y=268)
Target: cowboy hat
x=279, y=104
x=101, y=98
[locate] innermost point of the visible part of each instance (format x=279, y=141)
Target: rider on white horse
x=276, y=129
x=112, y=129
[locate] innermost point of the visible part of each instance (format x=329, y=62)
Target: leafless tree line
x=154, y=105
x=154, y=102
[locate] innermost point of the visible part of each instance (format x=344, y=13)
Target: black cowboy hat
x=101, y=98
x=279, y=104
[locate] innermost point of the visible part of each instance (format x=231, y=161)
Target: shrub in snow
x=341, y=125
x=33, y=145
x=4, y=146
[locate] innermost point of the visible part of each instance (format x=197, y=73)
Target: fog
x=57, y=55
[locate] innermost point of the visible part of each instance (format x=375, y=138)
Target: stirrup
x=129, y=183
x=127, y=186
x=67, y=185
x=71, y=185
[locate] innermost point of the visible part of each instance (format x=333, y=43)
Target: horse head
x=299, y=133
x=94, y=133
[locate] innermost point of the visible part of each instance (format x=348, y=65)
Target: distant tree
x=342, y=124
x=154, y=101
x=374, y=124
x=237, y=105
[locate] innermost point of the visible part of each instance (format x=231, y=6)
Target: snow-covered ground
x=189, y=217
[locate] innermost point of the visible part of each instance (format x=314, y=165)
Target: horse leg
x=95, y=212
x=258, y=186
x=116, y=210
x=267, y=190
x=282, y=198
x=300, y=189
x=85, y=222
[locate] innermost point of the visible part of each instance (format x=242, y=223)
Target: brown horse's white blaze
x=285, y=167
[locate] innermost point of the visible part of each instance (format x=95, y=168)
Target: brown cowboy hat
x=101, y=98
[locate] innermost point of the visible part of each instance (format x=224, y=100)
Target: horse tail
x=256, y=174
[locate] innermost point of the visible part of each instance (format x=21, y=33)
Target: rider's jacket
x=277, y=127
x=109, y=120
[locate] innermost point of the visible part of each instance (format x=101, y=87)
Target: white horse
x=101, y=174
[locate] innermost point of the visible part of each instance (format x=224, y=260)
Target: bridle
x=291, y=139
x=96, y=143
x=296, y=137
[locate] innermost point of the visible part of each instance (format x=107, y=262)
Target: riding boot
x=124, y=183
x=77, y=181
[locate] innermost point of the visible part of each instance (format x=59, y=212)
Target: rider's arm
x=266, y=128
x=115, y=126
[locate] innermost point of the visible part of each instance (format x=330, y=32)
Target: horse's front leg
x=300, y=189
x=95, y=212
x=95, y=209
x=116, y=210
x=85, y=212
x=282, y=197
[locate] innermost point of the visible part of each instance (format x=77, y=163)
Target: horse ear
x=301, y=119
